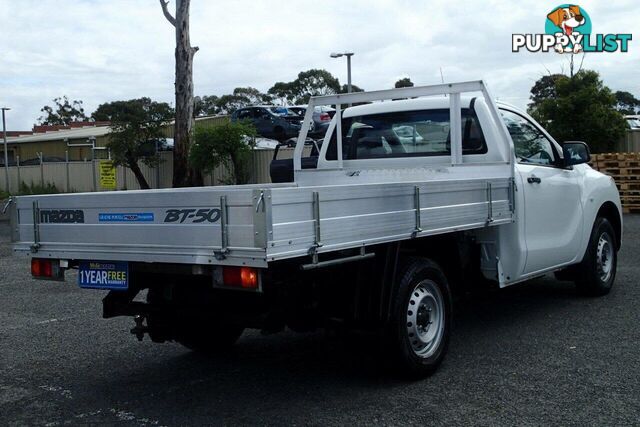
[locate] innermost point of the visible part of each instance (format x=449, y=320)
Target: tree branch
x=582, y=60
x=166, y=13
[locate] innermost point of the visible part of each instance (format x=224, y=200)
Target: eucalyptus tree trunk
x=183, y=176
x=132, y=163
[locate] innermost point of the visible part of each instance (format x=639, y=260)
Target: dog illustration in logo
x=567, y=18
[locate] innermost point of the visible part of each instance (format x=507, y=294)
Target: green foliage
x=241, y=97
x=626, y=103
x=314, y=82
x=251, y=95
x=228, y=144
x=544, y=88
x=4, y=195
x=206, y=105
x=283, y=91
x=110, y=110
x=354, y=88
x=63, y=112
x=137, y=126
x=33, y=189
x=404, y=82
x=227, y=104
x=578, y=108
x=309, y=83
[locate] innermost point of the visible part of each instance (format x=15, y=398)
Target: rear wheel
x=420, y=329
x=597, y=272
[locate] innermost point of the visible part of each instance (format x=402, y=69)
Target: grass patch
x=34, y=189
x=31, y=190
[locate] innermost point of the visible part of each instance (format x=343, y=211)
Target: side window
x=261, y=113
x=405, y=134
x=243, y=114
x=530, y=144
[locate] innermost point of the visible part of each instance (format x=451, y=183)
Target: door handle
x=534, y=180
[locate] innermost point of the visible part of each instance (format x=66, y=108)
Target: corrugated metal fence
x=630, y=143
x=85, y=176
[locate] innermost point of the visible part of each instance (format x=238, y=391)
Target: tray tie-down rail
x=36, y=228
x=416, y=203
x=224, y=230
x=317, y=243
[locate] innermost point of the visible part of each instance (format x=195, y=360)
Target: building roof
x=74, y=131
x=77, y=133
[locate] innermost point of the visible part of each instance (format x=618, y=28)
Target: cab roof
x=424, y=103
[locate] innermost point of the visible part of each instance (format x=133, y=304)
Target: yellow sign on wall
x=108, y=175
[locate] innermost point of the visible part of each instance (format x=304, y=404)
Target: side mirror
x=575, y=153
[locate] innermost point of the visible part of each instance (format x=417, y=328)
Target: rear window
x=282, y=111
x=405, y=134
x=243, y=114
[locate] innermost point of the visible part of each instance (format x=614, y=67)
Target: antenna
x=441, y=75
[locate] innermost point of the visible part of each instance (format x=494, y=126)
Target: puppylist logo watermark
x=568, y=30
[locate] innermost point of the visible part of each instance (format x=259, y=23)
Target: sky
x=106, y=50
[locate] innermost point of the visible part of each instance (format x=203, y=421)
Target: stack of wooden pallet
x=625, y=170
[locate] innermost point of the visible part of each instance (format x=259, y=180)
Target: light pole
x=6, y=153
x=348, y=55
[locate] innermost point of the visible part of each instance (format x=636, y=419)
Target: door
x=263, y=122
x=552, y=197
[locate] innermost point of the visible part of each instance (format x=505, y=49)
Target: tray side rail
x=312, y=220
x=194, y=227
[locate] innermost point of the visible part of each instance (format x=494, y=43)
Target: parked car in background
x=633, y=121
x=270, y=121
x=45, y=159
x=322, y=116
x=260, y=143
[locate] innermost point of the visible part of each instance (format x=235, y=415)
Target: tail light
x=240, y=277
x=325, y=117
x=42, y=268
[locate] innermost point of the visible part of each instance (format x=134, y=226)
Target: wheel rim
x=604, y=257
x=425, y=318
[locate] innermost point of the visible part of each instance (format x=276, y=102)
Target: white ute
x=415, y=194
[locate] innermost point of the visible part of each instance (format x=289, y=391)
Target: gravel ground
x=534, y=354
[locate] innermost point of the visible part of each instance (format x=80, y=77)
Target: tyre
x=597, y=271
x=279, y=134
x=421, y=319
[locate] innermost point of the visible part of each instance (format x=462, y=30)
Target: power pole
x=6, y=153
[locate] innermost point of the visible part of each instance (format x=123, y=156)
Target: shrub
x=33, y=189
x=227, y=144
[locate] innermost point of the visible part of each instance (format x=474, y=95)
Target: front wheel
x=421, y=321
x=597, y=272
